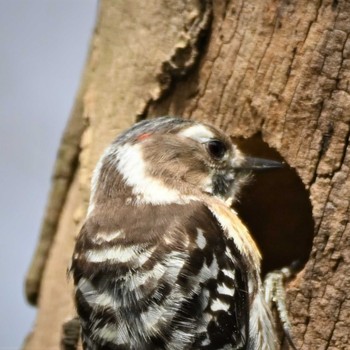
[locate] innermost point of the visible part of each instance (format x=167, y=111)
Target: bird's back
x=160, y=277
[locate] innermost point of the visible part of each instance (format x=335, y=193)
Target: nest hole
x=276, y=208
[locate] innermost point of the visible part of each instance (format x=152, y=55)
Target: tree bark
x=275, y=68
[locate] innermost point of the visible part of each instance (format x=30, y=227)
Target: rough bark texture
x=275, y=67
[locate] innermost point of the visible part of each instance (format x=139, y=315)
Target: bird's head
x=164, y=159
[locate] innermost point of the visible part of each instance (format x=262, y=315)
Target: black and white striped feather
x=166, y=264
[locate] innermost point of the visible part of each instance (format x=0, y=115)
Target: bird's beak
x=256, y=164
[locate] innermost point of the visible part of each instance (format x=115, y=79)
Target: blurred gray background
x=43, y=47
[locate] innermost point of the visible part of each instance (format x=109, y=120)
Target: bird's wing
x=166, y=278
x=262, y=333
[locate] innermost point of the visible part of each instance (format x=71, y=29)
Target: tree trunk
x=276, y=69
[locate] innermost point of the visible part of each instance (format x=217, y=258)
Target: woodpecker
x=162, y=260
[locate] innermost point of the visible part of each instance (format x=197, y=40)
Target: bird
x=162, y=260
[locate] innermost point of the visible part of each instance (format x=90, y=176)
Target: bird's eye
x=216, y=148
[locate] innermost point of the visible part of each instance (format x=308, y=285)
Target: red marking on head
x=143, y=136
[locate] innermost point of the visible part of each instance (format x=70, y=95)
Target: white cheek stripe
x=147, y=189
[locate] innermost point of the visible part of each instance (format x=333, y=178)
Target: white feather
x=94, y=297
x=200, y=240
x=224, y=290
x=218, y=305
x=229, y=273
x=108, y=333
x=119, y=254
x=146, y=188
x=197, y=132
x=102, y=237
x=261, y=328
